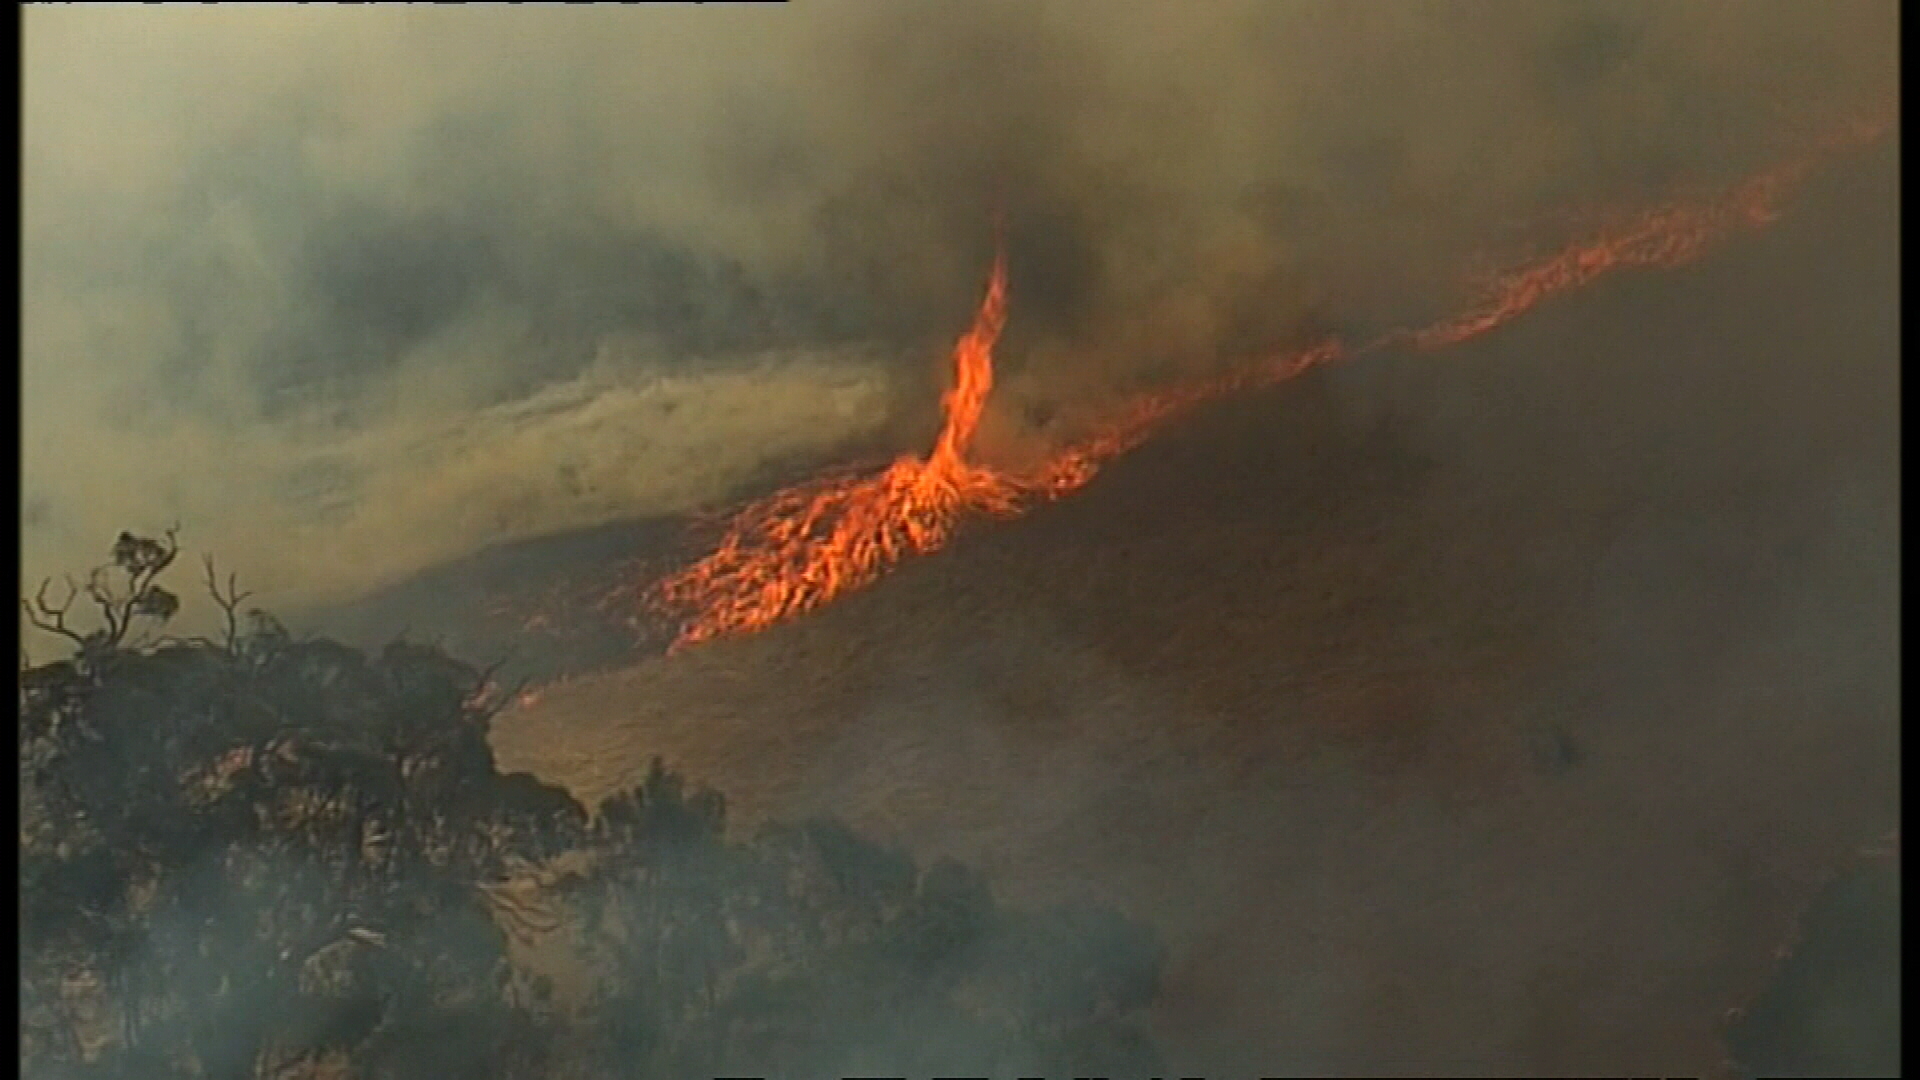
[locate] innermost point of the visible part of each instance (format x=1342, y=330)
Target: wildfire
x=799, y=548
x=1668, y=236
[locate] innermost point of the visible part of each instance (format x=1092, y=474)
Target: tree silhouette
x=251, y=856
x=244, y=854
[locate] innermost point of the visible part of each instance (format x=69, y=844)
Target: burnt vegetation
x=262, y=856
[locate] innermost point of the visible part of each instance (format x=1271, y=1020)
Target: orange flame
x=1666, y=236
x=797, y=549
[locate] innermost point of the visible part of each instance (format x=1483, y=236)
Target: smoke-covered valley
x=1496, y=708
x=1490, y=711
x=393, y=286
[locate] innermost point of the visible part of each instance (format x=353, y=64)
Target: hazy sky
x=349, y=290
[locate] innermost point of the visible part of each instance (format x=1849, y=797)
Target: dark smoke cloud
x=390, y=285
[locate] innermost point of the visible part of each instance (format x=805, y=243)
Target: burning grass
x=800, y=547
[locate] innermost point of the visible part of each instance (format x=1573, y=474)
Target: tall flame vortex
x=797, y=549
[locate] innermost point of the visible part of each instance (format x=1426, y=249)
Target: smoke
x=1489, y=711
x=348, y=291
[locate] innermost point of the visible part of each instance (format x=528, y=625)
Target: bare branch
x=101, y=593
x=142, y=560
x=155, y=561
x=229, y=602
x=52, y=618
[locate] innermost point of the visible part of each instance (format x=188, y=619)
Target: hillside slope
x=1490, y=710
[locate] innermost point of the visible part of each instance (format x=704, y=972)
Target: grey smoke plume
x=347, y=291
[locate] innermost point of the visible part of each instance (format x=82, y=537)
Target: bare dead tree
x=141, y=560
x=228, y=598
x=229, y=602
x=50, y=617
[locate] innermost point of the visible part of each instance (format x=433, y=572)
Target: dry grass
x=1281, y=681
